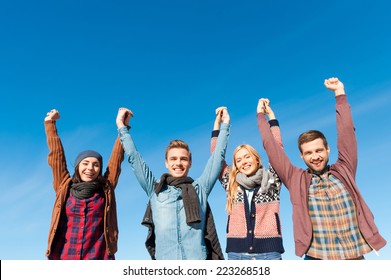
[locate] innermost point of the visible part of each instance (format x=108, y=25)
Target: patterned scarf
x=261, y=178
x=85, y=190
x=189, y=195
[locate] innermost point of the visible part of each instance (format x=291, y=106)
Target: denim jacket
x=175, y=239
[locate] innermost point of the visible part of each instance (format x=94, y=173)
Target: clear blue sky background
x=173, y=63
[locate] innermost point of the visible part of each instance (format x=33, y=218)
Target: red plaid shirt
x=81, y=235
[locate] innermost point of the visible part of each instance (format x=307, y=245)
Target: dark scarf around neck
x=189, y=195
x=85, y=190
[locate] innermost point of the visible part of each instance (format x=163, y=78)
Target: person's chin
x=176, y=175
x=318, y=170
x=88, y=179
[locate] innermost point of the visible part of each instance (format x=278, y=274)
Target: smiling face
x=246, y=162
x=315, y=155
x=178, y=162
x=89, y=169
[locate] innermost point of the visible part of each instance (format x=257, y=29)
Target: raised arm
x=113, y=170
x=347, y=142
x=56, y=157
x=277, y=157
x=224, y=174
x=141, y=170
x=275, y=130
x=214, y=165
x=273, y=122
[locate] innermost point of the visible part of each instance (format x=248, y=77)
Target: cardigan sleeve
x=275, y=129
x=277, y=157
x=225, y=169
x=346, y=143
x=113, y=170
x=56, y=157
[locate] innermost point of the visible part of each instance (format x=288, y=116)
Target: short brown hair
x=178, y=144
x=309, y=136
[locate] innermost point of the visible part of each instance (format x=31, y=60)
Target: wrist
x=271, y=116
x=339, y=92
x=120, y=124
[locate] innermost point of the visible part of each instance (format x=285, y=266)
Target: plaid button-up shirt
x=81, y=235
x=336, y=234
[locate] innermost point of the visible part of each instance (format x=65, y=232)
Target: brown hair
x=309, y=136
x=233, y=184
x=178, y=144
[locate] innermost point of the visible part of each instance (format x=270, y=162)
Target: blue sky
x=172, y=63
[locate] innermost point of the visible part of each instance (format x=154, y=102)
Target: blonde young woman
x=253, y=200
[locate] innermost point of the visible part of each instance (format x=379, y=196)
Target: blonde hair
x=232, y=183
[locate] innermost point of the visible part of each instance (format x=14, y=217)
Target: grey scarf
x=85, y=190
x=261, y=178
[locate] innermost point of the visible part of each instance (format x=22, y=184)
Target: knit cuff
x=215, y=133
x=274, y=123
